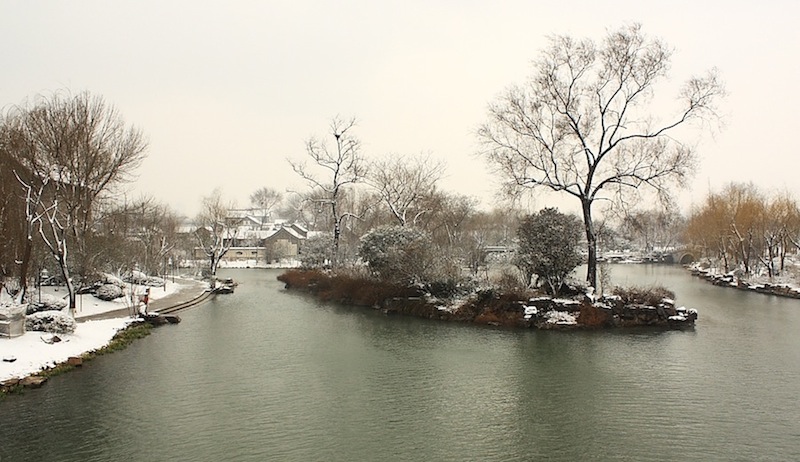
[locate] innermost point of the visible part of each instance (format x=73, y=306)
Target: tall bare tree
x=341, y=167
x=582, y=124
x=81, y=141
x=213, y=234
x=652, y=228
x=266, y=199
x=80, y=146
x=403, y=184
x=152, y=227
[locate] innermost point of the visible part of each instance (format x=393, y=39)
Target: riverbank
x=628, y=308
x=27, y=360
x=729, y=279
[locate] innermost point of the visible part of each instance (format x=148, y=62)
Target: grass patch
x=122, y=339
x=15, y=390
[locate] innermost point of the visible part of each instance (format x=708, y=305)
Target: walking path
x=187, y=292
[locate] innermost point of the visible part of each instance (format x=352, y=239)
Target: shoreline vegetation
x=652, y=307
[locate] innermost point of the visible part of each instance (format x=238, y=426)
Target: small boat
x=223, y=289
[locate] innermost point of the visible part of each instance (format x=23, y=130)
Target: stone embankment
x=607, y=311
x=548, y=313
x=731, y=280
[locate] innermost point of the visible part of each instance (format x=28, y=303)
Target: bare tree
x=741, y=225
x=152, y=227
x=83, y=142
x=213, y=234
x=342, y=167
x=33, y=200
x=44, y=212
x=81, y=147
x=582, y=126
x=403, y=183
x=266, y=199
x=652, y=229
x=446, y=217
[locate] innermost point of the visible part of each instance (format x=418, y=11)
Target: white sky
x=226, y=91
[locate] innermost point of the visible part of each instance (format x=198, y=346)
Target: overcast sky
x=226, y=91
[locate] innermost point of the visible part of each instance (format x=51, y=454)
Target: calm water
x=268, y=375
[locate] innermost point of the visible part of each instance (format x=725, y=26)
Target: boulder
x=9, y=384
x=33, y=381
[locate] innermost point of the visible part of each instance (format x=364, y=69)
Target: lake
x=266, y=374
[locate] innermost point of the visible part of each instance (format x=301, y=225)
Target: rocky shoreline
x=731, y=280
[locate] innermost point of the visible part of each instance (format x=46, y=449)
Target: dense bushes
x=548, y=247
x=108, y=292
x=398, y=254
x=487, y=307
x=651, y=296
x=46, y=302
x=345, y=288
x=55, y=322
x=137, y=277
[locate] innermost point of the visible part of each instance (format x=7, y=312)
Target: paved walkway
x=189, y=289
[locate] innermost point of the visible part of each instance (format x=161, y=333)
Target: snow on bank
x=32, y=354
x=88, y=304
x=561, y=318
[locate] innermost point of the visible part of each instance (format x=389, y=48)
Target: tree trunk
x=23, y=269
x=591, y=240
x=214, y=264
x=62, y=265
x=337, y=231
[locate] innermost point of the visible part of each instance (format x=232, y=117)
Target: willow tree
x=583, y=124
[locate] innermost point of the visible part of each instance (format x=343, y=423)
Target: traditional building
x=254, y=241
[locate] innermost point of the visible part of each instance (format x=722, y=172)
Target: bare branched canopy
x=332, y=171
x=266, y=199
x=78, y=140
x=73, y=150
x=214, y=234
x=404, y=184
x=583, y=125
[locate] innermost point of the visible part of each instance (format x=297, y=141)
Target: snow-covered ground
x=31, y=354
